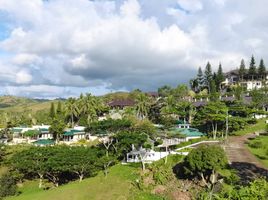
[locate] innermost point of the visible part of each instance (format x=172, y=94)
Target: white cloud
x=23, y=77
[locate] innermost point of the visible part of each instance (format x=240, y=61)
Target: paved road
x=240, y=158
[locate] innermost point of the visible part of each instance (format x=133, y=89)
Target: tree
x=169, y=107
x=262, y=70
x=90, y=107
x=212, y=115
x=208, y=76
x=31, y=133
x=57, y=128
x=52, y=113
x=31, y=161
x=59, y=108
x=219, y=78
x=242, y=69
x=194, y=85
x=200, y=79
x=205, y=162
x=252, y=67
x=142, y=106
x=213, y=91
x=72, y=109
x=164, y=91
x=82, y=161
x=180, y=92
x=8, y=185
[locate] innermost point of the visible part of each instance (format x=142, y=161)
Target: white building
x=145, y=155
x=74, y=135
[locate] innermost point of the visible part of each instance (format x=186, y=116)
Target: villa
x=248, y=81
x=74, y=135
x=19, y=134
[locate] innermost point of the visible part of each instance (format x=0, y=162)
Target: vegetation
x=259, y=147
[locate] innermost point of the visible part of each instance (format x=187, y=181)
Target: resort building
x=248, y=81
x=74, y=135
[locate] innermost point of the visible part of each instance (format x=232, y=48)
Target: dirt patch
x=241, y=159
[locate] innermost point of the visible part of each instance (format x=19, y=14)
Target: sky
x=60, y=48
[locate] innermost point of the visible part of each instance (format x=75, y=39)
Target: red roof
x=121, y=103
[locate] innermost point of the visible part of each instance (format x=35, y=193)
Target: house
x=145, y=155
x=42, y=132
x=74, y=135
x=231, y=78
x=121, y=103
x=248, y=81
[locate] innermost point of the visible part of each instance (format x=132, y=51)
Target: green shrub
x=255, y=144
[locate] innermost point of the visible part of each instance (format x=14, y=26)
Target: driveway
x=240, y=158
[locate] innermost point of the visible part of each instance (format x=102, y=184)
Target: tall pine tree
x=208, y=76
x=52, y=112
x=219, y=78
x=262, y=69
x=242, y=69
x=59, y=108
x=200, y=79
x=252, y=67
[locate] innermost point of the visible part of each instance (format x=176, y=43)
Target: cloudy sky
x=60, y=48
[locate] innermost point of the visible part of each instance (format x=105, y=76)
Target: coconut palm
x=89, y=107
x=142, y=106
x=72, y=109
x=169, y=107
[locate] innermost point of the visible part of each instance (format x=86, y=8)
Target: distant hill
x=19, y=104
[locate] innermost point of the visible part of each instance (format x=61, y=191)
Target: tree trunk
x=107, y=153
x=81, y=176
x=40, y=181
x=216, y=129
x=143, y=165
x=166, y=155
x=105, y=170
x=203, y=179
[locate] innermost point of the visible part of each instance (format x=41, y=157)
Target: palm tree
x=72, y=109
x=89, y=107
x=169, y=106
x=142, y=106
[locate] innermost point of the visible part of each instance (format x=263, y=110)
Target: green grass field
x=261, y=152
x=117, y=186
x=259, y=126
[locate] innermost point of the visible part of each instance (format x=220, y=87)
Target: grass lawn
x=259, y=126
x=259, y=147
x=116, y=186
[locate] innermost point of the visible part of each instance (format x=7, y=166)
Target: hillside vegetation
x=20, y=104
x=116, y=186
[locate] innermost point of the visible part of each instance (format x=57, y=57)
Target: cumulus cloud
x=113, y=45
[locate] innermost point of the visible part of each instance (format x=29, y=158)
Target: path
x=241, y=159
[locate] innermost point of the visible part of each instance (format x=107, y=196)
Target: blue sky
x=60, y=48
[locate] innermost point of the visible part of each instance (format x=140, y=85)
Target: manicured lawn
x=116, y=186
x=259, y=147
x=259, y=126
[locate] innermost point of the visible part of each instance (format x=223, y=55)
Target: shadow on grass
x=248, y=171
